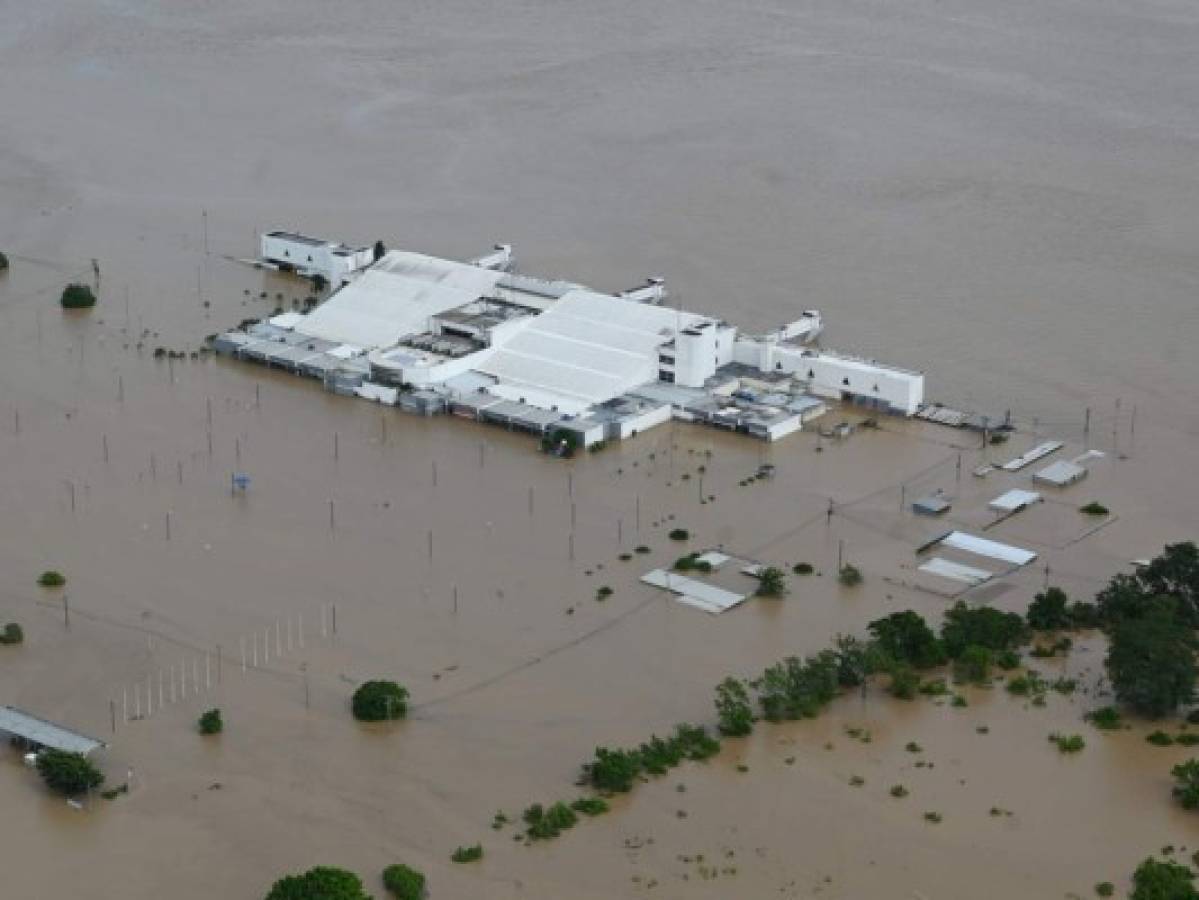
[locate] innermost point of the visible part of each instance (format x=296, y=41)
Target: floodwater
x=1002, y=196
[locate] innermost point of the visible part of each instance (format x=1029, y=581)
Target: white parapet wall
x=837, y=376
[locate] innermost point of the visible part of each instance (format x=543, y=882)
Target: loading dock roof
x=45, y=734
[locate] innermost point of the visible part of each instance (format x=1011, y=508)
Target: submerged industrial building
x=476, y=339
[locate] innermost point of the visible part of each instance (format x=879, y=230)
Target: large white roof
x=396, y=297
x=586, y=349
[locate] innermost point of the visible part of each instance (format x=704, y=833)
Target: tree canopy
x=68, y=773
x=981, y=626
x=1151, y=658
x=1166, y=880
x=403, y=882
x=1173, y=573
x=77, y=296
x=319, y=883
x=734, y=712
x=377, y=701
x=905, y=637
x=1048, y=611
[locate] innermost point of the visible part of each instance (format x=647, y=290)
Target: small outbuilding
x=1060, y=474
x=1014, y=500
x=932, y=505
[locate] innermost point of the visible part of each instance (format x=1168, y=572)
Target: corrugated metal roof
x=46, y=734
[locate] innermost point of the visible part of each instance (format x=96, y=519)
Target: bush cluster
x=616, y=771
x=377, y=701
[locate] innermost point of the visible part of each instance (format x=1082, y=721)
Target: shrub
x=68, y=773
x=934, y=687
x=614, y=771
x=377, y=701
x=3, y=262
x=1105, y=889
x=1093, y=509
x=905, y=681
x=1186, y=787
x=641, y=548
x=679, y=534
x=590, y=806
x=1049, y=610
x=548, y=823
x=211, y=722
x=1186, y=739
x=320, y=883
x=1155, y=880
x=973, y=665
x=77, y=296
x=934, y=817
x=603, y=593
x=467, y=854
x=735, y=715
x=1007, y=660
x=798, y=689
x=1030, y=684
x=1068, y=743
x=1159, y=739
x=771, y=583
x=981, y=626
x=1084, y=615
x=850, y=575
x=1106, y=718
x=12, y=634
x=404, y=882
x=904, y=637
x=50, y=578
x=898, y=791
x=803, y=568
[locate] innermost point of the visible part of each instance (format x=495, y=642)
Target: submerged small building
x=304, y=255
x=541, y=354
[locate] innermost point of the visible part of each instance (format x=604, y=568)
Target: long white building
x=433, y=334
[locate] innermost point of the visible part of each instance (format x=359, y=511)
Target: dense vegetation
x=68, y=773
x=404, y=882
x=378, y=701
x=1151, y=658
x=319, y=883
x=1166, y=880
x=77, y=296
x=211, y=722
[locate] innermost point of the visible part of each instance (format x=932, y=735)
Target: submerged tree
x=980, y=626
x=319, y=883
x=404, y=882
x=77, y=296
x=1186, y=787
x=68, y=773
x=734, y=712
x=771, y=582
x=905, y=637
x=377, y=701
x=1165, y=880
x=1151, y=659
x=1049, y=611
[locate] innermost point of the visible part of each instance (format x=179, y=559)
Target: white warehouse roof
x=396, y=297
x=586, y=349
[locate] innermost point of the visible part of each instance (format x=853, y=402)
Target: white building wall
x=695, y=356
x=644, y=422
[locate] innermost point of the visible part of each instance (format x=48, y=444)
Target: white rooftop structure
x=586, y=349
x=969, y=543
x=708, y=597
x=41, y=733
x=944, y=568
x=1060, y=474
x=1014, y=500
x=395, y=298
x=1040, y=451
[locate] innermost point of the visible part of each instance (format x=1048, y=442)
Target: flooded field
x=1004, y=198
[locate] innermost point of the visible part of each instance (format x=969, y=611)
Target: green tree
x=980, y=626
x=1175, y=573
x=735, y=715
x=1166, y=880
x=613, y=771
x=77, y=296
x=376, y=701
x=211, y=722
x=1048, y=611
x=771, y=583
x=1151, y=659
x=905, y=681
x=798, y=689
x=50, y=578
x=319, y=883
x=1186, y=788
x=904, y=637
x=403, y=882
x=973, y=664
x=856, y=659
x=68, y=773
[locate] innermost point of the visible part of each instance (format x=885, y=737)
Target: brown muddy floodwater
x=1002, y=195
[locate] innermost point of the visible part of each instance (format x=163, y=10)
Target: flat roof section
x=45, y=734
